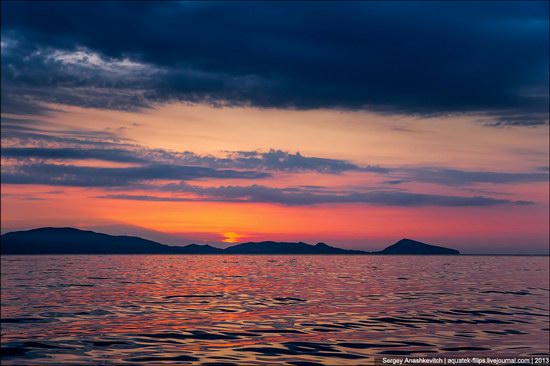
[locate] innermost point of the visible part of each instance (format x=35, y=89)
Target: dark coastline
x=68, y=241
x=7, y=243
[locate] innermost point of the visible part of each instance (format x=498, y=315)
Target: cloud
x=303, y=197
x=421, y=58
x=33, y=75
x=397, y=181
x=31, y=152
x=81, y=176
x=33, y=133
x=137, y=197
x=453, y=177
x=516, y=119
x=278, y=160
x=84, y=148
x=33, y=157
x=115, y=155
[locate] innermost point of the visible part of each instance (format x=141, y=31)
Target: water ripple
x=265, y=310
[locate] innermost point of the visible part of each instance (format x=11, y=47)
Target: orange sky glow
x=396, y=143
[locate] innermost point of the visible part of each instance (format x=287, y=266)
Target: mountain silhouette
x=272, y=247
x=409, y=246
x=75, y=241
x=198, y=249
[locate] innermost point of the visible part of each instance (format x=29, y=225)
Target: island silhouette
x=50, y=240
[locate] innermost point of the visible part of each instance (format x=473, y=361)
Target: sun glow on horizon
x=231, y=237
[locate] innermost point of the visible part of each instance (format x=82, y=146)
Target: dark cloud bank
x=304, y=197
x=422, y=58
x=54, y=162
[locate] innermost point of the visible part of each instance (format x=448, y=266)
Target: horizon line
x=262, y=241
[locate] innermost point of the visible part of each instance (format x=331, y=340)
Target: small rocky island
x=413, y=247
x=75, y=241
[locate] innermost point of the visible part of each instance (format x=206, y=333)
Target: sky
x=351, y=123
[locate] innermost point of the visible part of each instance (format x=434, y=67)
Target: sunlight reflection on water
x=229, y=310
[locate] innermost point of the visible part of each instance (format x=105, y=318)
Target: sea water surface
x=265, y=310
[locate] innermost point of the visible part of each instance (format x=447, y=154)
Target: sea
x=270, y=310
